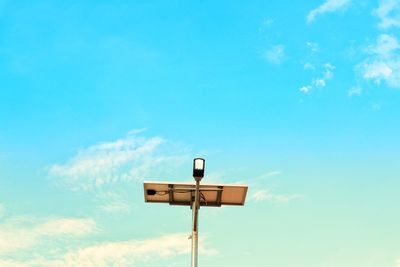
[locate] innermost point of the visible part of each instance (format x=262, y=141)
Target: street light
x=195, y=195
x=198, y=168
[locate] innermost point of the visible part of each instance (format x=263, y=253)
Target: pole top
x=198, y=169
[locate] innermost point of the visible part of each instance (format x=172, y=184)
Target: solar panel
x=213, y=195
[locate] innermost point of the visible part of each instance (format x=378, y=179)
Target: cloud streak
x=97, y=163
x=122, y=160
x=328, y=6
x=24, y=233
x=355, y=90
x=119, y=253
x=131, y=253
x=267, y=195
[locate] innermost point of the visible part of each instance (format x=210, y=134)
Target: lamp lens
x=199, y=164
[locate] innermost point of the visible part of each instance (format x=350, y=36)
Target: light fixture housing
x=198, y=168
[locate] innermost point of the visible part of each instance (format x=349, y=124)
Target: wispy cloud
x=131, y=253
x=308, y=66
x=327, y=7
x=382, y=62
x=389, y=14
x=12, y=263
x=137, y=131
x=305, y=89
x=314, y=47
x=97, y=163
x=266, y=175
x=385, y=47
x=112, y=202
x=119, y=253
x=261, y=178
x=320, y=81
x=103, y=170
x=267, y=195
x=125, y=159
x=266, y=23
x=354, y=91
x=275, y=54
x=22, y=233
x=376, y=106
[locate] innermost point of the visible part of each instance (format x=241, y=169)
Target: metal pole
x=195, y=237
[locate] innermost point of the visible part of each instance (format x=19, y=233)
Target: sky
x=297, y=99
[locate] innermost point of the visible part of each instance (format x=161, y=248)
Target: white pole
x=195, y=237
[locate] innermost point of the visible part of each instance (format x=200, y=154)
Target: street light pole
x=195, y=195
x=198, y=174
x=195, y=221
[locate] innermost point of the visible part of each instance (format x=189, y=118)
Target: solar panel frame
x=213, y=195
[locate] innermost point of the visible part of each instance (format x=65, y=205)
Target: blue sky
x=297, y=99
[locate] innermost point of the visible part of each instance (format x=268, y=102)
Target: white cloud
x=12, y=263
x=356, y=90
x=126, y=159
x=305, y=89
x=22, y=233
x=397, y=263
x=389, y=14
x=66, y=226
x=128, y=253
x=328, y=70
x=276, y=54
x=122, y=253
x=386, y=46
x=269, y=174
x=267, y=195
x=308, y=66
x=326, y=73
x=98, y=162
x=131, y=253
x=137, y=131
x=327, y=7
x=266, y=175
x=383, y=62
x=319, y=83
x=314, y=47
x=377, y=70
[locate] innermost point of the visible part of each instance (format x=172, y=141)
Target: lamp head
x=198, y=168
